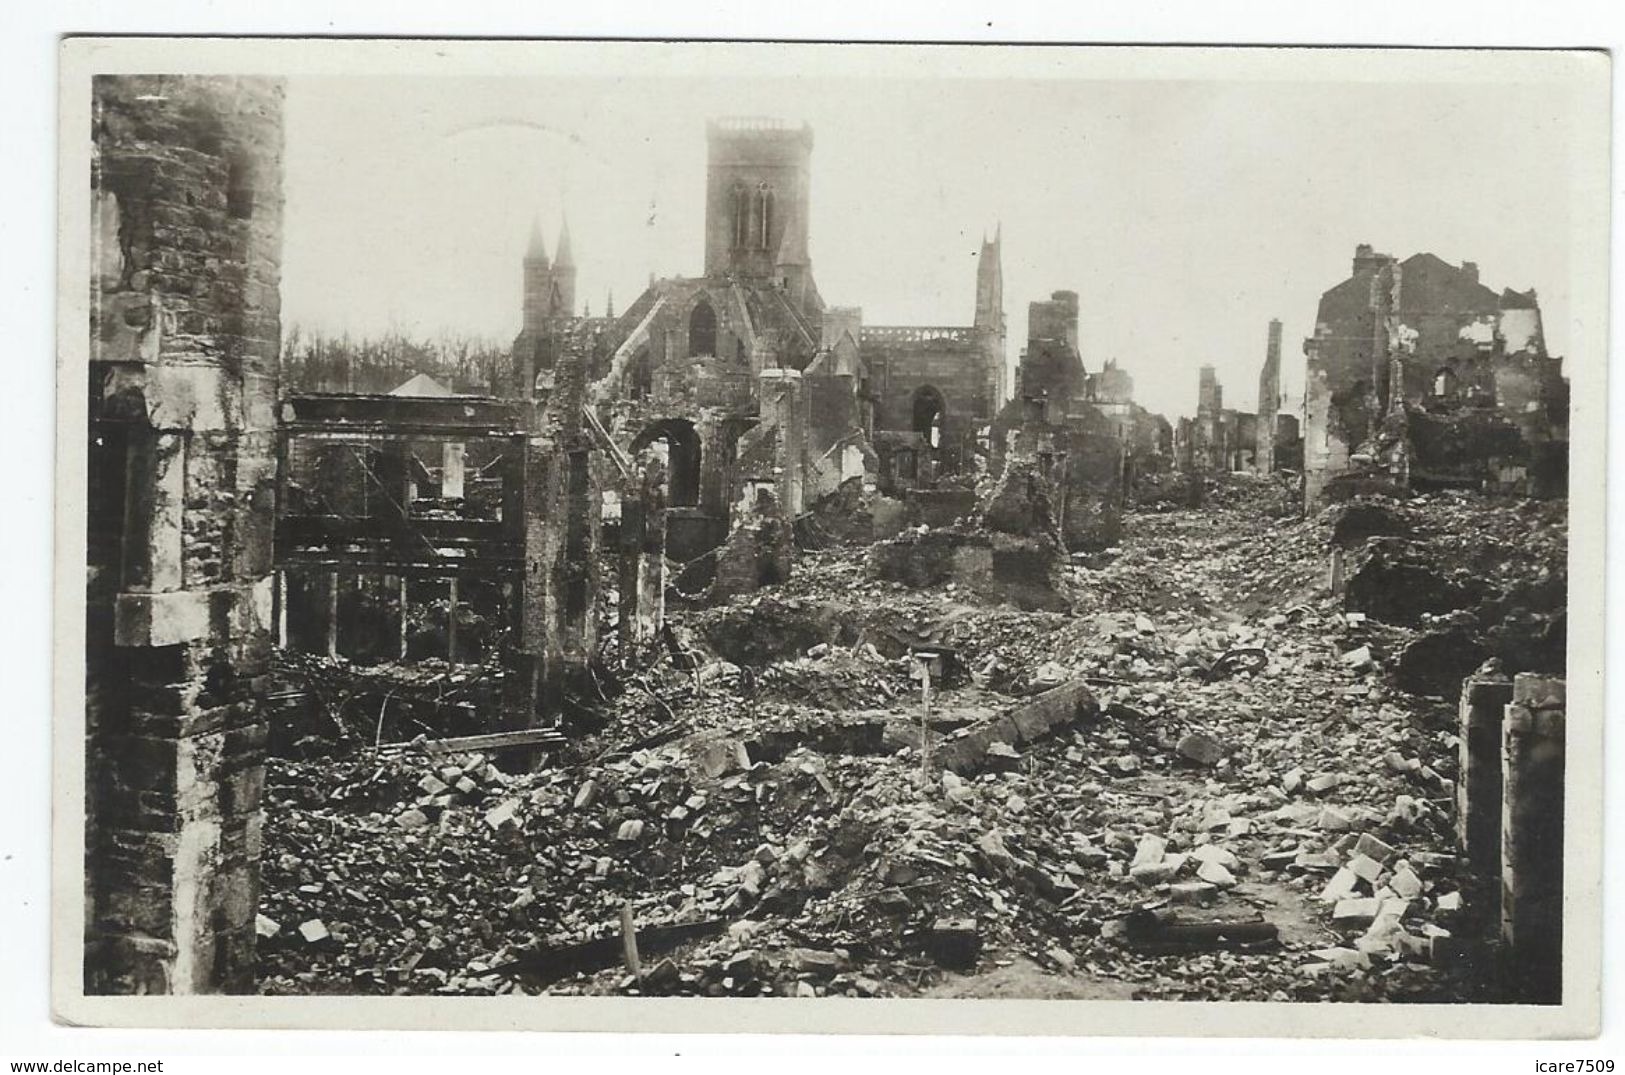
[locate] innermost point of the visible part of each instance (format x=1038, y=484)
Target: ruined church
x=743, y=378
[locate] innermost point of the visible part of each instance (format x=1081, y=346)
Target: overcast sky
x=1186, y=214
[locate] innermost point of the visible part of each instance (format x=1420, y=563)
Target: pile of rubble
x=1248, y=808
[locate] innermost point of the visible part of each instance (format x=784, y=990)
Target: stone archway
x=681, y=442
x=928, y=413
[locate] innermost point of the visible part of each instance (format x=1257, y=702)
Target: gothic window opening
x=740, y=207
x=702, y=330
x=764, y=197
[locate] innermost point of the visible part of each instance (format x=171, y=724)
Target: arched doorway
x=679, y=441
x=928, y=413
x=702, y=330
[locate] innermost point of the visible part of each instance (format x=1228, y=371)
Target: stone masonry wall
x=187, y=205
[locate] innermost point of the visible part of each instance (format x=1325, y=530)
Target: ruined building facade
x=186, y=242
x=1420, y=374
x=1057, y=426
x=1220, y=438
x=934, y=390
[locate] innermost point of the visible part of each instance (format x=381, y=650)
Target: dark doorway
x=928, y=414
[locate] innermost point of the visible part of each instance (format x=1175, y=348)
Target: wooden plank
x=474, y=743
x=464, y=567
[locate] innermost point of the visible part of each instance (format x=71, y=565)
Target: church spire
x=563, y=258
x=537, y=250
x=990, y=281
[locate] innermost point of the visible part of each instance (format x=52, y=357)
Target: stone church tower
x=757, y=201
x=550, y=288
x=549, y=301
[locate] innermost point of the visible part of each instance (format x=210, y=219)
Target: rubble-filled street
x=1096, y=632
x=1206, y=780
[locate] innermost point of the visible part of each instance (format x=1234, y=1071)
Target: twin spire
x=537, y=248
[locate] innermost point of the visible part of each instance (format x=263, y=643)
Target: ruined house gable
x=1431, y=285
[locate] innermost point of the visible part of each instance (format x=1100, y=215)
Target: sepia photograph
x=936, y=524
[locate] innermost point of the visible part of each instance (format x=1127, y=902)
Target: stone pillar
x=1478, y=788
x=1532, y=839
x=1325, y=445
x=187, y=201
x=642, y=563
x=762, y=357
x=782, y=405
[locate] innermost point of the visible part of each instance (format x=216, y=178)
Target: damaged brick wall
x=187, y=206
x=1051, y=365
x=1413, y=370
x=759, y=552
x=1092, y=511
x=917, y=373
x=1082, y=460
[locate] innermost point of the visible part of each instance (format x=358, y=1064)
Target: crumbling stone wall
x=564, y=485
x=1401, y=339
x=1081, y=461
x=962, y=366
x=759, y=552
x=1052, y=365
x=1092, y=510
x=187, y=207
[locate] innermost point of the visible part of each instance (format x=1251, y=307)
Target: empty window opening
x=765, y=198
x=702, y=330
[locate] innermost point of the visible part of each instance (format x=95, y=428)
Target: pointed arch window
x=739, y=207
x=764, y=200
x=702, y=330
